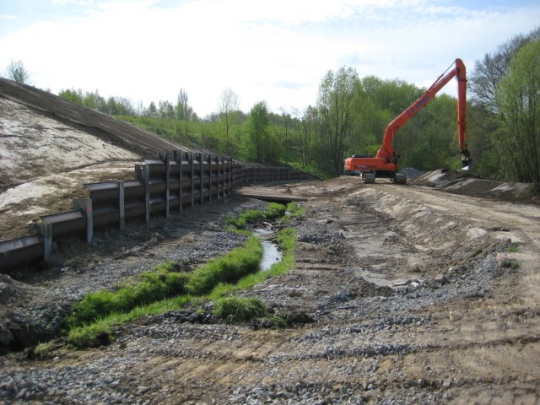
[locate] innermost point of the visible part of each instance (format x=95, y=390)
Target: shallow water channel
x=271, y=254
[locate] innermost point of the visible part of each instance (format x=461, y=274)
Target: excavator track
x=369, y=178
x=400, y=178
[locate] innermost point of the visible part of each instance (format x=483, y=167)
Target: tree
x=183, y=111
x=152, y=111
x=166, y=110
x=257, y=130
x=335, y=104
x=307, y=131
x=494, y=67
x=228, y=111
x=286, y=120
x=518, y=101
x=484, y=120
x=75, y=96
x=17, y=72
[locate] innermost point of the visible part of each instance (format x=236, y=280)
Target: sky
x=275, y=51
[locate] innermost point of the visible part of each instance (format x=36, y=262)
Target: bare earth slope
x=50, y=147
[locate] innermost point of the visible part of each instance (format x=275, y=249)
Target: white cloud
x=275, y=51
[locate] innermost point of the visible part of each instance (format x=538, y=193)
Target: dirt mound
x=110, y=130
x=464, y=182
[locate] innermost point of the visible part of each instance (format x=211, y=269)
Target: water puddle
x=271, y=254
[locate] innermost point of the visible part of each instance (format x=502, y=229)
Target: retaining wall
x=163, y=186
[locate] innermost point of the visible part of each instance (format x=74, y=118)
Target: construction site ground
x=414, y=293
x=425, y=293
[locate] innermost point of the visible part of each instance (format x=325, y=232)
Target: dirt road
x=418, y=296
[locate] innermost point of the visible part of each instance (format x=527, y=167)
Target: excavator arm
x=459, y=71
x=385, y=164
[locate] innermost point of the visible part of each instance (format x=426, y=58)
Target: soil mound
x=464, y=182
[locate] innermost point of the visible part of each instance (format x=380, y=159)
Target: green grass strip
x=227, y=269
x=286, y=239
x=162, y=282
x=273, y=211
x=101, y=332
x=94, y=318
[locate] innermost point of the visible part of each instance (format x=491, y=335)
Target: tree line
x=350, y=115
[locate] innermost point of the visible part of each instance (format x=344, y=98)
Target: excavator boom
x=385, y=164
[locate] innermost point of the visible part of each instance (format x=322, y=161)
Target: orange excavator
x=385, y=164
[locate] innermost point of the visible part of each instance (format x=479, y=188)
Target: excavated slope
x=49, y=148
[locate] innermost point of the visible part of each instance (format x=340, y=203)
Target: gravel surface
x=409, y=303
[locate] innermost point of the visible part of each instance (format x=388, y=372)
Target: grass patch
x=227, y=269
x=250, y=217
x=237, y=309
x=513, y=249
x=162, y=282
x=293, y=211
x=510, y=264
x=286, y=239
x=101, y=332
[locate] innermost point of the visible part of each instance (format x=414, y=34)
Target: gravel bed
x=47, y=304
x=338, y=360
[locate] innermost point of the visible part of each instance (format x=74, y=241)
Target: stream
x=271, y=254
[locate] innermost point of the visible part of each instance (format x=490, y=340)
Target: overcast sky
x=272, y=50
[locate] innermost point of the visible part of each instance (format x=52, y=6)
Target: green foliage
x=293, y=211
x=283, y=320
x=42, y=352
x=518, y=98
x=257, y=129
x=227, y=269
x=94, y=318
x=17, y=72
x=250, y=217
x=502, y=119
x=338, y=98
x=287, y=242
x=101, y=332
x=92, y=335
x=236, y=309
x=513, y=249
x=152, y=286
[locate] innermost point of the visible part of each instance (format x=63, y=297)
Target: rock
x=440, y=279
x=6, y=337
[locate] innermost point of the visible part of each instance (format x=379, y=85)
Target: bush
x=236, y=309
